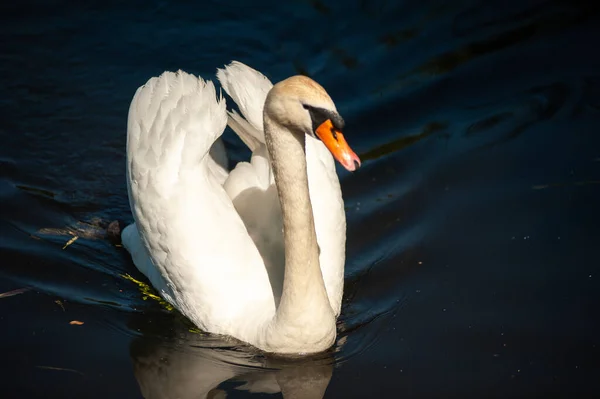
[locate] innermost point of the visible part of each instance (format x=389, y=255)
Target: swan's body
x=212, y=242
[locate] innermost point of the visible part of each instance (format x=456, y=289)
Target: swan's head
x=303, y=106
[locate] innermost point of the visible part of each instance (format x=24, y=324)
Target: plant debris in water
x=59, y=303
x=148, y=292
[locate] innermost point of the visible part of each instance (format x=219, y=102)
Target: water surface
x=473, y=225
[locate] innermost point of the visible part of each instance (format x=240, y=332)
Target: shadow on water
x=191, y=365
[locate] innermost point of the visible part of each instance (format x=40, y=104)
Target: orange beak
x=336, y=144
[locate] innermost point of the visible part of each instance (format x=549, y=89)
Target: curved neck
x=304, y=303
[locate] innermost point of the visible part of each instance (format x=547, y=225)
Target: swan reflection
x=198, y=366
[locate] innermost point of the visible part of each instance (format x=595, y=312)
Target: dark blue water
x=473, y=225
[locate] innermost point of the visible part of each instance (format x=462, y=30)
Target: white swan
x=218, y=245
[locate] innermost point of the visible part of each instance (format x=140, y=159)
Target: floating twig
x=71, y=241
x=14, y=292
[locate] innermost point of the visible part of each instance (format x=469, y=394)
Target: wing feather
x=193, y=237
x=248, y=88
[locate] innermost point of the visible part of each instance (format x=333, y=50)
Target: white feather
x=249, y=89
x=187, y=237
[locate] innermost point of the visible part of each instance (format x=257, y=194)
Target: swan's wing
x=249, y=89
x=252, y=189
x=206, y=264
x=218, y=160
x=245, y=131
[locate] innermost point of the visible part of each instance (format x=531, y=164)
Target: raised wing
x=248, y=88
x=196, y=249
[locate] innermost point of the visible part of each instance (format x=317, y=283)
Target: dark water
x=473, y=226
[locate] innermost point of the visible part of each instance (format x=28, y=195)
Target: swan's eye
x=319, y=115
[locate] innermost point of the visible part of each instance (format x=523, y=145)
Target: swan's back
x=188, y=239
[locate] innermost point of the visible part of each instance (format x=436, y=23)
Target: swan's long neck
x=304, y=314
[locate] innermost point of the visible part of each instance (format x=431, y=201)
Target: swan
x=256, y=253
